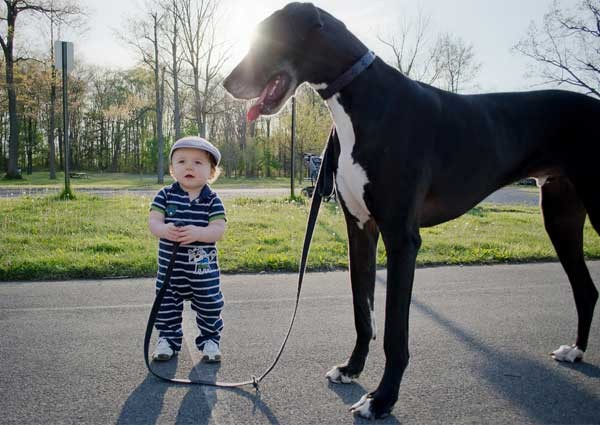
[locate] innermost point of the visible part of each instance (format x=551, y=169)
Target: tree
x=196, y=25
x=447, y=62
x=145, y=35
x=457, y=66
x=9, y=14
x=567, y=46
x=174, y=39
x=413, y=53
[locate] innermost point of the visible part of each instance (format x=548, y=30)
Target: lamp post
x=64, y=61
x=293, y=143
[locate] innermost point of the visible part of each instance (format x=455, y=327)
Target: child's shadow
x=144, y=405
x=197, y=405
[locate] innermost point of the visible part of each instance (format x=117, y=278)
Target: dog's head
x=296, y=44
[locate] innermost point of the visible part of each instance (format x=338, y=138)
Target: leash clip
x=255, y=384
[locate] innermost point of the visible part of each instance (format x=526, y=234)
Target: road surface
x=71, y=352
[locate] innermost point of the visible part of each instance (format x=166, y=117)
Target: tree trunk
x=198, y=103
x=176, y=105
x=12, y=171
x=51, y=146
x=52, y=118
x=30, y=138
x=159, y=112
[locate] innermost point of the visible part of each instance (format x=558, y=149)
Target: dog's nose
x=227, y=83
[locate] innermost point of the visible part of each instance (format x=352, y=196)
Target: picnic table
x=79, y=175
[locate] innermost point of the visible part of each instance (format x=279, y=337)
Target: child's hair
x=216, y=170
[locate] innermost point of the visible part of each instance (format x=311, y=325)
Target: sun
x=241, y=20
x=239, y=28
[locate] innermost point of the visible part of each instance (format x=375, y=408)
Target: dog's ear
x=303, y=18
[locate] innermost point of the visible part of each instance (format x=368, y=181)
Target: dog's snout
x=227, y=83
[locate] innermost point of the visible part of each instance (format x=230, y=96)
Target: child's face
x=192, y=168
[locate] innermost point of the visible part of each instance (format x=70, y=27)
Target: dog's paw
x=337, y=376
x=366, y=408
x=363, y=407
x=567, y=353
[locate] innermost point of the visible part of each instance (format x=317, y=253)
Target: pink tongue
x=253, y=112
x=256, y=108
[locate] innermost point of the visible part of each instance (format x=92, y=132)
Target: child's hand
x=171, y=232
x=189, y=234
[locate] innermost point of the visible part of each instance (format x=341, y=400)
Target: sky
x=492, y=27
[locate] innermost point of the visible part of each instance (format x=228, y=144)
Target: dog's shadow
x=589, y=370
x=534, y=387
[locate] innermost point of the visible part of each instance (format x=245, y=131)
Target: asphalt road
x=71, y=352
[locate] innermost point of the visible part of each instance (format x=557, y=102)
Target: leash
x=323, y=189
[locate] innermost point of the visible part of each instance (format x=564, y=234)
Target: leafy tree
x=8, y=15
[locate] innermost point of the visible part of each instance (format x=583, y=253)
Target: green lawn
x=131, y=181
x=44, y=238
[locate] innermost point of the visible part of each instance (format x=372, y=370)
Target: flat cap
x=196, y=142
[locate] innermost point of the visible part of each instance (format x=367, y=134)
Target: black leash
x=323, y=188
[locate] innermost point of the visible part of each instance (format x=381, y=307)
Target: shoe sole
x=161, y=357
x=215, y=359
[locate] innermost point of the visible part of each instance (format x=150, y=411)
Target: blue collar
x=347, y=77
x=206, y=193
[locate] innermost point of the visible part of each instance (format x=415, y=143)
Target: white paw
x=336, y=376
x=363, y=407
x=567, y=353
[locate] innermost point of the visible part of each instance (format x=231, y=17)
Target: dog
x=408, y=155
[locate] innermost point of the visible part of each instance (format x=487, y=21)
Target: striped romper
x=196, y=275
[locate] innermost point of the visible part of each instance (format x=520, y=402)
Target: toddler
x=193, y=163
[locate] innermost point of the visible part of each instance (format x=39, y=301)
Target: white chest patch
x=351, y=178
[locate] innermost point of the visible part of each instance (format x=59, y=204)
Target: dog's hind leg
x=564, y=216
x=362, y=247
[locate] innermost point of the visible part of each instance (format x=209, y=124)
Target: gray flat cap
x=196, y=142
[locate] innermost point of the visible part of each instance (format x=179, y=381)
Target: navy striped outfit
x=196, y=274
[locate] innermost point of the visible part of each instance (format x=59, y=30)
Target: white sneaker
x=211, y=352
x=163, y=350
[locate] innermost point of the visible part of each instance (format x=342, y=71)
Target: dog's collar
x=345, y=79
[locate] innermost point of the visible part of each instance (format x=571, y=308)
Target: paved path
x=71, y=352
x=506, y=195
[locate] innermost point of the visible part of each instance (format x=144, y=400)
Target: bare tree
x=144, y=36
x=446, y=62
x=212, y=92
x=9, y=13
x=172, y=33
x=457, y=63
x=566, y=48
x=413, y=53
x=195, y=18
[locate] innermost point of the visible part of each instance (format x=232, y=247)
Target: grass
x=46, y=238
x=40, y=179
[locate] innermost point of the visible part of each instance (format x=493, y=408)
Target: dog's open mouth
x=270, y=97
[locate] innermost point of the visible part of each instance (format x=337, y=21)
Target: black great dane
x=408, y=155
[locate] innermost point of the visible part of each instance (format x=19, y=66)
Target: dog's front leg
x=401, y=254
x=362, y=247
